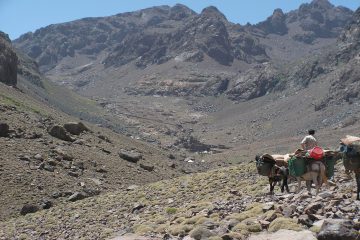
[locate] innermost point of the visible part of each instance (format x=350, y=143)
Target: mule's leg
x=299, y=184
x=272, y=185
x=308, y=186
x=317, y=183
x=285, y=185
x=357, y=176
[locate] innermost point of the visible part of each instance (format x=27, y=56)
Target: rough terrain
x=167, y=93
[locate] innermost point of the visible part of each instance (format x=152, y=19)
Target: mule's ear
x=257, y=157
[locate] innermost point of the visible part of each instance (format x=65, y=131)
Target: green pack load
x=297, y=166
x=330, y=166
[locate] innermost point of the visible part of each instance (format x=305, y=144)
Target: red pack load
x=316, y=153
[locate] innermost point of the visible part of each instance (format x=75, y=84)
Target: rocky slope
x=228, y=203
x=47, y=160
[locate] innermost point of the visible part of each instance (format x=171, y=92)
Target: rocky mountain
x=176, y=52
x=8, y=61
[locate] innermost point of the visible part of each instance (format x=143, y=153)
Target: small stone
x=137, y=207
x=130, y=156
x=268, y=207
x=305, y=220
x=49, y=168
x=147, y=167
x=74, y=174
x=76, y=196
x=132, y=187
x=39, y=157
x=25, y=158
x=75, y=127
x=264, y=224
x=172, y=165
x=46, y=204
x=313, y=207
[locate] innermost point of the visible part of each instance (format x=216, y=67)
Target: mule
x=278, y=174
x=281, y=174
x=315, y=173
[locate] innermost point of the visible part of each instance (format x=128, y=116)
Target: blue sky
x=21, y=16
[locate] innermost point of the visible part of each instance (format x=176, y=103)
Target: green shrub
x=171, y=210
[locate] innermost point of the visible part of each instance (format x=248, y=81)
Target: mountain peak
x=323, y=4
x=180, y=11
x=212, y=11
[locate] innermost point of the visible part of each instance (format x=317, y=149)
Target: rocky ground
x=227, y=203
x=47, y=159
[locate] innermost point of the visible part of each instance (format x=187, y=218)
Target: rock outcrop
x=8, y=61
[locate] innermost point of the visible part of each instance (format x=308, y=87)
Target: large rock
x=75, y=127
x=285, y=235
x=60, y=133
x=338, y=229
x=4, y=129
x=130, y=156
x=8, y=61
x=29, y=208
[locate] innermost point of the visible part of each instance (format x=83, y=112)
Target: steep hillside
x=42, y=165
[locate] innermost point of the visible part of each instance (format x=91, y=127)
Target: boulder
x=60, y=133
x=75, y=127
x=200, y=232
x=284, y=235
x=338, y=229
x=4, y=129
x=130, y=156
x=29, y=208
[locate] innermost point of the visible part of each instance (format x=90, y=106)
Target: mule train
x=279, y=168
x=310, y=168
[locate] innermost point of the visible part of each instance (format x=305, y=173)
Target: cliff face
x=8, y=61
